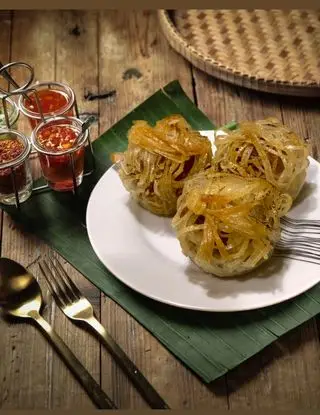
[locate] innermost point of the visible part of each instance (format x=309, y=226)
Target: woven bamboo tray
x=274, y=51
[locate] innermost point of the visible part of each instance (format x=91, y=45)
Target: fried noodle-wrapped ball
x=228, y=224
x=159, y=159
x=265, y=149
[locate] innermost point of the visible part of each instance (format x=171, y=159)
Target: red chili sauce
x=10, y=149
x=57, y=169
x=52, y=101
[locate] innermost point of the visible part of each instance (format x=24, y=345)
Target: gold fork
x=75, y=306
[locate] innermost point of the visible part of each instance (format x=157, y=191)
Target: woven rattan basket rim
x=218, y=70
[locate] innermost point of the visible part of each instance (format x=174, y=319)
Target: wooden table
x=124, y=58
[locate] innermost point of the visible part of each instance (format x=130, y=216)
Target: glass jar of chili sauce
x=55, y=99
x=61, y=150
x=15, y=172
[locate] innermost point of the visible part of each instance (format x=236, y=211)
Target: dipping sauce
x=55, y=99
x=50, y=100
x=57, y=137
x=10, y=149
x=57, y=168
x=14, y=164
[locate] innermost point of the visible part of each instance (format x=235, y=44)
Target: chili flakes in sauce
x=57, y=138
x=10, y=149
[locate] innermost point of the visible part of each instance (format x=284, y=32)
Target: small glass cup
x=15, y=173
x=13, y=114
x=55, y=99
x=60, y=144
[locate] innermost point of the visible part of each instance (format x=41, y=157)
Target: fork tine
x=290, y=255
x=61, y=282
x=299, y=254
x=304, y=231
x=299, y=239
x=62, y=288
x=55, y=291
x=72, y=288
x=301, y=222
x=297, y=226
x=307, y=245
x=68, y=280
x=300, y=250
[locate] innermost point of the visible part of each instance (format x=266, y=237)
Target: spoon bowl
x=20, y=293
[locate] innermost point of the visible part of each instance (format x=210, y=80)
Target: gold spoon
x=20, y=296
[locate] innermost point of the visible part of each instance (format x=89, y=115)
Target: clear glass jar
x=15, y=172
x=13, y=114
x=55, y=99
x=60, y=144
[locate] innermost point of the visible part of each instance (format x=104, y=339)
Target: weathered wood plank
x=23, y=372
x=285, y=375
x=9, y=354
x=76, y=65
x=30, y=368
x=44, y=381
x=135, y=63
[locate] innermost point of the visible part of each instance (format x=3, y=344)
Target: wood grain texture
x=286, y=374
x=135, y=63
x=23, y=353
x=17, y=346
x=76, y=58
x=50, y=384
x=114, y=60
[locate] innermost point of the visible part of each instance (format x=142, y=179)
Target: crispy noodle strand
x=159, y=159
x=265, y=149
x=228, y=224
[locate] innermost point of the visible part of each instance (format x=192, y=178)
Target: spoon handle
x=93, y=389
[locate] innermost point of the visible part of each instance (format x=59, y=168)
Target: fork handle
x=92, y=388
x=141, y=383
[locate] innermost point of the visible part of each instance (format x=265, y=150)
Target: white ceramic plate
x=141, y=250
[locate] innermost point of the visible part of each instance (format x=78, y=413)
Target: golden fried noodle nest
x=265, y=149
x=228, y=224
x=159, y=159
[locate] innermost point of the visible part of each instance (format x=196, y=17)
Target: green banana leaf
x=210, y=344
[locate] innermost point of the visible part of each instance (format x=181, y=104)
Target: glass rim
x=79, y=143
x=13, y=114
x=37, y=85
x=21, y=157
